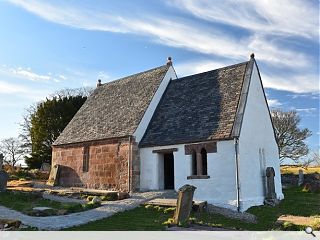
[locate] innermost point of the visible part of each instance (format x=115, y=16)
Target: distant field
x=295, y=169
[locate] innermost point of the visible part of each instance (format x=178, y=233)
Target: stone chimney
x=99, y=83
x=169, y=61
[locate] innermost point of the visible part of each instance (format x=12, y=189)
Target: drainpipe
x=129, y=165
x=236, y=146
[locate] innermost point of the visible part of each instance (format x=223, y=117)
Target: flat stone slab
x=41, y=209
x=62, y=199
x=171, y=202
x=195, y=227
x=298, y=220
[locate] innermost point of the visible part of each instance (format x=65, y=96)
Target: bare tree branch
x=289, y=136
x=12, y=150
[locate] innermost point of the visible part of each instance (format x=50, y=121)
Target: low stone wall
x=292, y=179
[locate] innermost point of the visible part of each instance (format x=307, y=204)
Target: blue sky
x=46, y=46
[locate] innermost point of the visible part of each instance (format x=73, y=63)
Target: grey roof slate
x=114, y=109
x=197, y=108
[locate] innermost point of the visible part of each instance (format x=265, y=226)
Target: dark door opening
x=168, y=168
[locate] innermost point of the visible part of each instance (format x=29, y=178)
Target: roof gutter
x=236, y=147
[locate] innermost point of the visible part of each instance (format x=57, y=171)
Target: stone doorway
x=168, y=170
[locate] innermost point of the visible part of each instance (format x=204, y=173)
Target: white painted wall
x=171, y=74
x=219, y=189
x=257, y=147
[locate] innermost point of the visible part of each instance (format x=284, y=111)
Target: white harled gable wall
x=171, y=74
x=219, y=189
x=257, y=147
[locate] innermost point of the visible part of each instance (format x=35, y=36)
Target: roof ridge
x=135, y=74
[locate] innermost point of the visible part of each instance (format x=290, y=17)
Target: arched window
x=194, y=163
x=204, y=161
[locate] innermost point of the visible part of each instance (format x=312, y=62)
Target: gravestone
x=271, y=198
x=1, y=160
x=301, y=177
x=54, y=175
x=45, y=167
x=4, y=177
x=184, y=204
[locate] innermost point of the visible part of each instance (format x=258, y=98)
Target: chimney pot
x=169, y=61
x=99, y=83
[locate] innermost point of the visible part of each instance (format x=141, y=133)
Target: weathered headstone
x=4, y=177
x=301, y=177
x=1, y=160
x=54, y=175
x=45, y=167
x=184, y=204
x=271, y=198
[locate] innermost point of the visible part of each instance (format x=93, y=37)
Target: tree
x=45, y=123
x=12, y=150
x=289, y=136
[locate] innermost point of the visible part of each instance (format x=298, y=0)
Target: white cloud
x=263, y=18
x=62, y=77
x=306, y=110
x=28, y=74
x=285, y=17
x=273, y=103
x=297, y=83
x=169, y=31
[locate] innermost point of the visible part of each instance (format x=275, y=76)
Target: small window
x=85, y=164
x=204, y=162
x=194, y=163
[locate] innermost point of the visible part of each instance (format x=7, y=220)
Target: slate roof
x=114, y=109
x=198, y=108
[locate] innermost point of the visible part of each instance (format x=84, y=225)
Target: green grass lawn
x=24, y=202
x=296, y=202
x=138, y=219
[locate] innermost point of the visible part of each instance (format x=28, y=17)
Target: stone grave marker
x=1, y=160
x=4, y=177
x=301, y=177
x=45, y=167
x=184, y=204
x=271, y=198
x=54, y=175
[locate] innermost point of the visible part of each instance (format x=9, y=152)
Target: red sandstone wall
x=108, y=164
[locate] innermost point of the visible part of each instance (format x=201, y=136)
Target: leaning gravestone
x=184, y=204
x=271, y=198
x=3, y=176
x=301, y=177
x=54, y=175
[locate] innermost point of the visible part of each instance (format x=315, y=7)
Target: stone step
x=171, y=202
